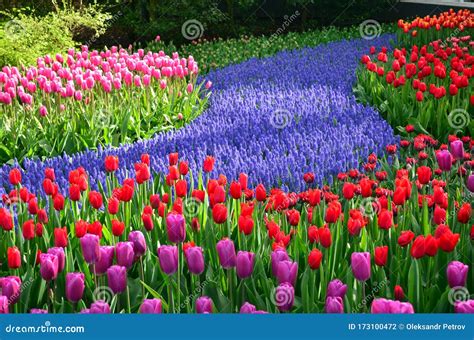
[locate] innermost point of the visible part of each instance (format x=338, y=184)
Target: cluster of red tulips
x=429, y=28
x=429, y=85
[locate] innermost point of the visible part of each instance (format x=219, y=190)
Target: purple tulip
x=48, y=266
x=360, y=264
x=106, y=259
x=176, y=227
x=85, y=311
x=444, y=160
x=244, y=263
x=336, y=288
x=138, y=241
x=204, y=305
x=90, y=247
x=457, y=149
x=457, y=274
x=226, y=251
x=260, y=312
x=11, y=288
x=151, y=306
x=74, y=286
x=464, y=307
x=4, y=305
x=470, y=183
x=334, y=305
x=125, y=254
x=247, y=308
x=385, y=306
x=38, y=311
x=284, y=296
x=277, y=256
x=168, y=257
x=195, y=260
x=59, y=252
x=117, y=278
x=287, y=272
x=99, y=307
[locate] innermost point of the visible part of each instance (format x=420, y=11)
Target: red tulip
x=48, y=187
x=80, y=228
x=39, y=229
x=58, y=202
x=405, y=238
x=219, y=213
x=74, y=192
x=117, y=227
x=399, y=293
x=155, y=201
x=431, y=245
x=418, y=247
x=173, y=158
x=208, y=164
x=293, y=217
x=147, y=221
x=385, y=219
x=448, y=241
x=313, y=234
x=424, y=174
x=464, y=213
x=260, y=193
x=348, y=190
x=14, y=258
x=181, y=187
x=439, y=215
x=142, y=172
x=111, y=163
x=6, y=219
x=145, y=158
x=314, y=259
x=15, y=176
x=245, y=224
x=235, y=190
x=95, y=228
x=333, y=212
x=95, y=199
x=49, y=173
x=60, y=237
x=380, y=255
x=308, y=177
x=183, y=168
x=198, y=195
x=28, y=229
x=325, y=236
x=42, y=216
x=113, y=205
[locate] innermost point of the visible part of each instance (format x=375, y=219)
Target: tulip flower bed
x=448, y=24
x=271, y=118
x=395, y=237
x=429, y=86
x=88, y=99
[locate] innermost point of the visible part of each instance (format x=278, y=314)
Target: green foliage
x=24, y=35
